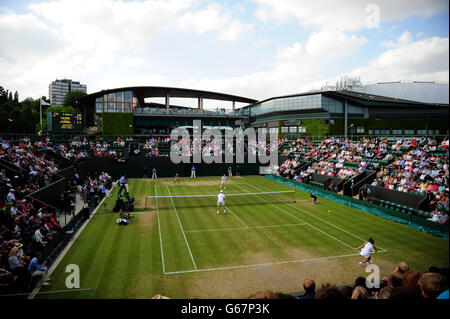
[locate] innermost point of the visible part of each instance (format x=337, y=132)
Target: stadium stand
x=29, y=225
x=417, y=167
x=410, y=165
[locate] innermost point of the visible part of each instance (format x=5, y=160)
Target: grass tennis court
x=179, y=247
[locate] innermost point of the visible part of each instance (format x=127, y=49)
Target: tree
x=73, y=99
x=16, y=97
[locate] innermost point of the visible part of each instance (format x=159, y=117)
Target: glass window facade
x=305, y=102
x=332, y=105
x=311, y=102
x=119, y=102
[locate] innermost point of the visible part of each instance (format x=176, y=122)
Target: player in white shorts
x=221, y=201
x=367, y=247
x=224, y=182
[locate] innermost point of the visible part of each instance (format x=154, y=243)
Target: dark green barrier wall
x=134, y=167
x=402, y=198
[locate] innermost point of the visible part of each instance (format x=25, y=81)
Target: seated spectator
x=35, y=270
x=330, y=292
x=432, y=285
x=267, y=294
x=404, y=292
x=394, y=280
x=402, y=267
x=360, y=292
x=310, y=289
x=385, y=293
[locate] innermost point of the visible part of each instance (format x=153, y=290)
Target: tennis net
x=210, y=200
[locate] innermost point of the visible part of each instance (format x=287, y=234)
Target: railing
x=191, y=112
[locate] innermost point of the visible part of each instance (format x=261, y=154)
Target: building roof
x=363, y=99
x=143, y=92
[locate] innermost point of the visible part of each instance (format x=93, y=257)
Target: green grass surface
x=181, y=248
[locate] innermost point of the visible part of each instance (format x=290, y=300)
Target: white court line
x=160, y=238
x=235, y=215
x=182, y=230
x=303, y=221
x=337, y=227
x=236, y=228
x=259, y=265
x=246, y=226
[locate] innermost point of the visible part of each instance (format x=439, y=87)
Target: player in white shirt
x=224, y=182
x=367, y=248
x=221, y=201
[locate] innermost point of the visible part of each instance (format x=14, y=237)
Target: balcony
x=186, y=112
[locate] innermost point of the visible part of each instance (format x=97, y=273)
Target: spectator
x=405, y=293
x=35, y=270
x=310, y=289
x=360, y=293
x=394, y=280
x=385, y=293
x=432, y=285
x=330, y=292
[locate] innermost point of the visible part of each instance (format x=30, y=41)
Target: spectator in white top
x=10, y=197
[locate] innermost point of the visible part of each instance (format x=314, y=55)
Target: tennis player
x=313, y=198
x=224, y=181
x=221, y=201
x=176, y=179
x=367, y=248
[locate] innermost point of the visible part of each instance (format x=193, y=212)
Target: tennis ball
x=329, y=211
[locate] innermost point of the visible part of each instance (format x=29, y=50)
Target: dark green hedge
x=117, y=124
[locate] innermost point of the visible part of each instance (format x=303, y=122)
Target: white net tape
x=212, y=195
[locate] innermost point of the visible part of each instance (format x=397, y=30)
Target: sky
x=251, y=48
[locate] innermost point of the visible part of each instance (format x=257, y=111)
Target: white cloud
x=427, y=55
x=290, y=52
x=423, y=60
x=87, y=39
x=429, y=62
x=26, y=37
x=332, y=44
x=403, y=39
x=348, y=15
x=215, y=18
x=132, y=62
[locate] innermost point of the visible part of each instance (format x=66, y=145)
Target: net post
x=295, y=196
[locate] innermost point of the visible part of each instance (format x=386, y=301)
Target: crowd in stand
x=78, y=149
x=152, y=145
x=332, y=155
x=402, y=284
x=406, y=165
x=27, y=225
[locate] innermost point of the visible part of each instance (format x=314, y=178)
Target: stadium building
x=127, y=111
x=344, y=112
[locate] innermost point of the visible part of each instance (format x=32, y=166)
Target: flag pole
x=40, y=104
